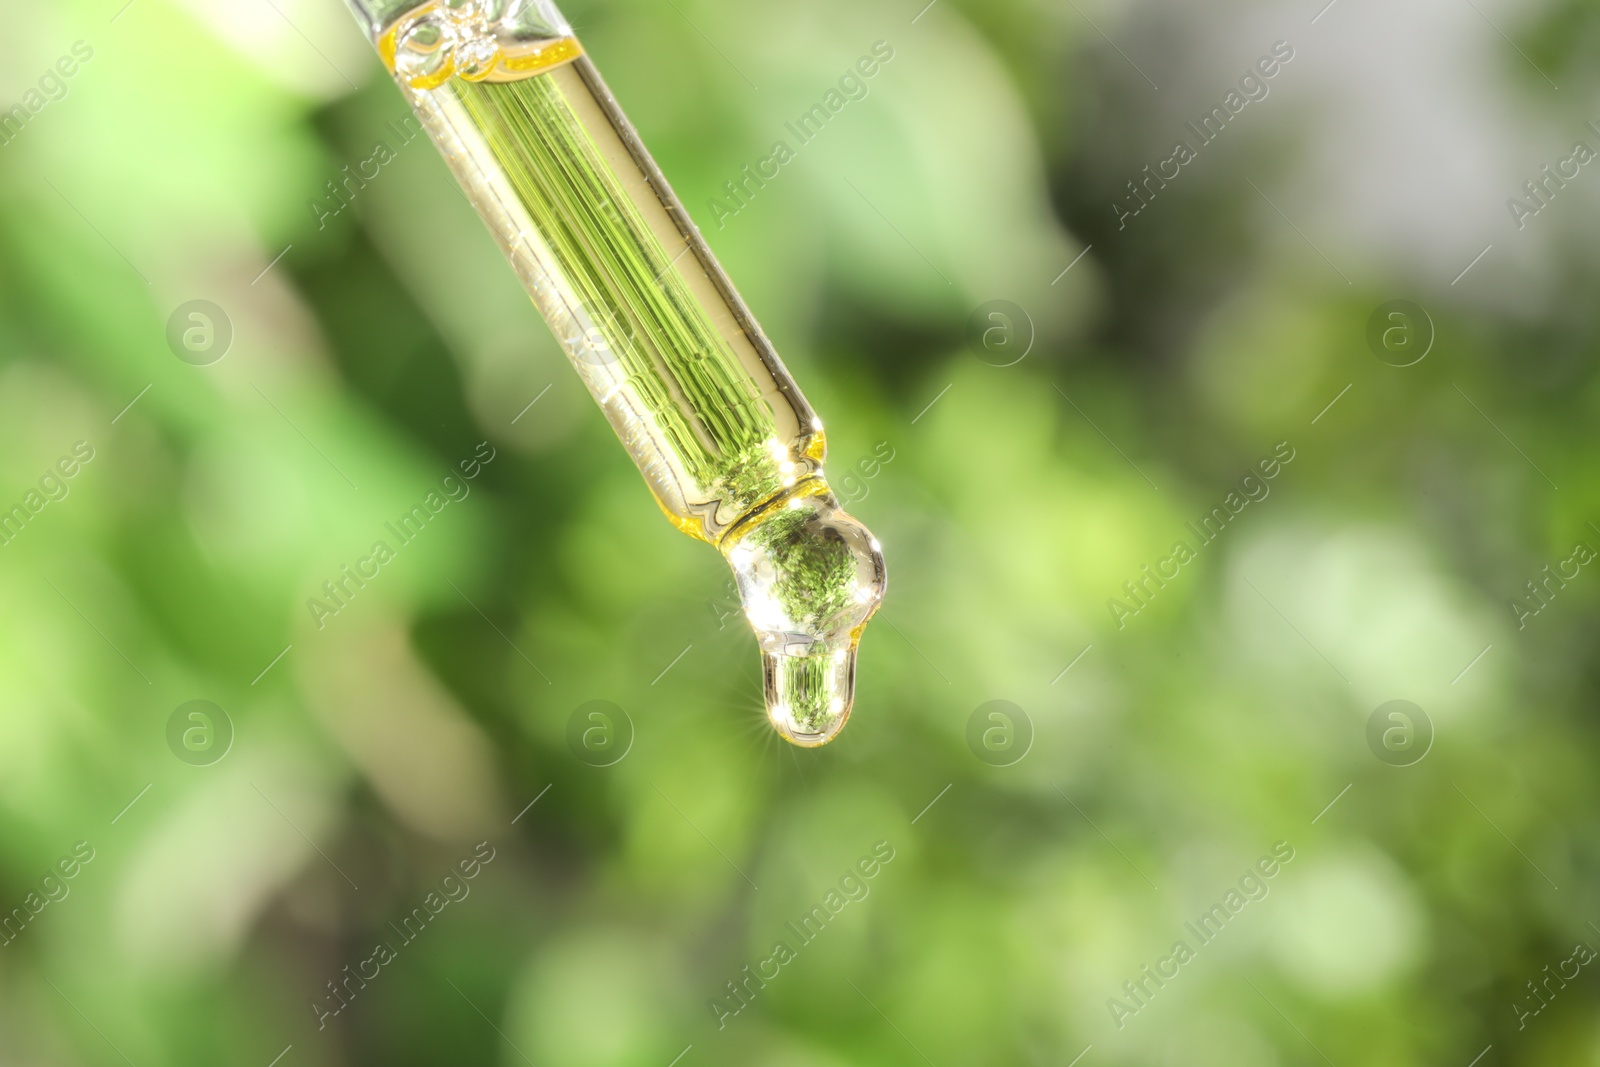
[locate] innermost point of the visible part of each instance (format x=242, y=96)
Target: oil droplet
x=809, y=697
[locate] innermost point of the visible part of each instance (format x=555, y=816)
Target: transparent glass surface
x=720, y=431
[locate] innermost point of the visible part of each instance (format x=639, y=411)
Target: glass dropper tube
x=693, y=388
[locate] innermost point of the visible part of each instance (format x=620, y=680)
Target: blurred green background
x=1040, y=460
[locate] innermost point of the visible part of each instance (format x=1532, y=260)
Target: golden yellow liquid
x=666, y=346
